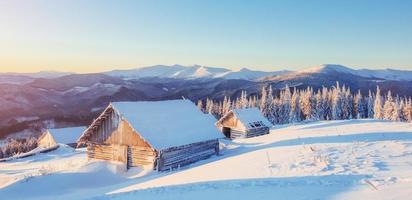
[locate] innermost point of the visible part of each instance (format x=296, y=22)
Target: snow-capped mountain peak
x=190, y=72
x=329, y=68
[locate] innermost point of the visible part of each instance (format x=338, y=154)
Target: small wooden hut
x=53, y=137
x=243, y=123
x=46, y=140
x=159, y=134
x=67, y=136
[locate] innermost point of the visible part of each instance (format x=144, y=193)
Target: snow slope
x=356, y=159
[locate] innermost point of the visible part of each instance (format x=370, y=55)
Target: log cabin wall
x=175, y=157
x=107, y=152
x=257, y=131
x=114, y=139
x=140, y=156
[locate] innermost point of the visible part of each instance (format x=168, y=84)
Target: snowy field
x=357, y=159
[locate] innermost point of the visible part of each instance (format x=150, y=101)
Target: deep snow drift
x=357, y=159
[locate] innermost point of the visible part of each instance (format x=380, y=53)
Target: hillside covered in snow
x=349, y=159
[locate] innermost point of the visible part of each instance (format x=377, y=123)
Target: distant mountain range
x=28, y=100
x=386, y=74
x=197, y=71
x=191, y=72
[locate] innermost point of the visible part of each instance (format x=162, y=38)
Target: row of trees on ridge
x=336, y=103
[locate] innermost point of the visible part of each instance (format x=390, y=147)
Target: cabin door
x=226, y=131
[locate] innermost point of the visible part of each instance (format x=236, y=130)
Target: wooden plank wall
x=107, y=152
x=140, y=156
x=176, y=157
x=106, y=126
x=237, y=134
x=257, y=132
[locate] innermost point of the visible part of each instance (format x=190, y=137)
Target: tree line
x=335, y=103
x=17, y=146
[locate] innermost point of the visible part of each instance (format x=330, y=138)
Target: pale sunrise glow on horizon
x=96, y=36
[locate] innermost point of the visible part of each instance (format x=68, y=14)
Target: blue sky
x=99, y=35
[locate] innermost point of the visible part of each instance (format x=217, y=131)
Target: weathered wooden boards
x=234, y=134
x=108, y=152
x=176, y=157
x=140, y=156
x=170, y=158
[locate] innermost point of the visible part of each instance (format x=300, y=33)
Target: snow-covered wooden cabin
x=53, y=137
x=46, y=141
x=159, y=134
x=243, y=123
x=67, y=136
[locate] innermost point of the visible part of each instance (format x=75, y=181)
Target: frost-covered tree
x=243, y=102
x=327, y=101
x=347, y=103
x=377, y=106
x=325, y=104
x=209, y=106
x=370, y=106
x=295, y=111
x=337, y=104
x=252, y=102
x=285, y=105
x=319, y=109
x=271, y=109
x=360, y=107
x=306, y=103
x=263, y=101
x=226, y=106
x=388, y=107
x=200, y=105
x=397, y=112
x=407, y=110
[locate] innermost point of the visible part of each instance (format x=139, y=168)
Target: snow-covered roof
x=67, y=135
x=247, y=116
x=168, y=123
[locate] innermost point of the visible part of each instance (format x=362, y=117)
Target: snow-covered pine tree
x=337, y=104
x=286, y=105
x=263, y=101
x=319, y=108
x=388, y=107
x=243, y=100
x=295, y=112
x=396, y=114
x=208, y=106
x=225, y=105
x=252, y=102
x=307, y=103
x=327, y=103
x=359, y=106
x=200, y=105
x=270, y=105
x=402, y=106
x=219, y=109
x=370, y=105
x=347, y=103
x=407, y=110
x=377, y=106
